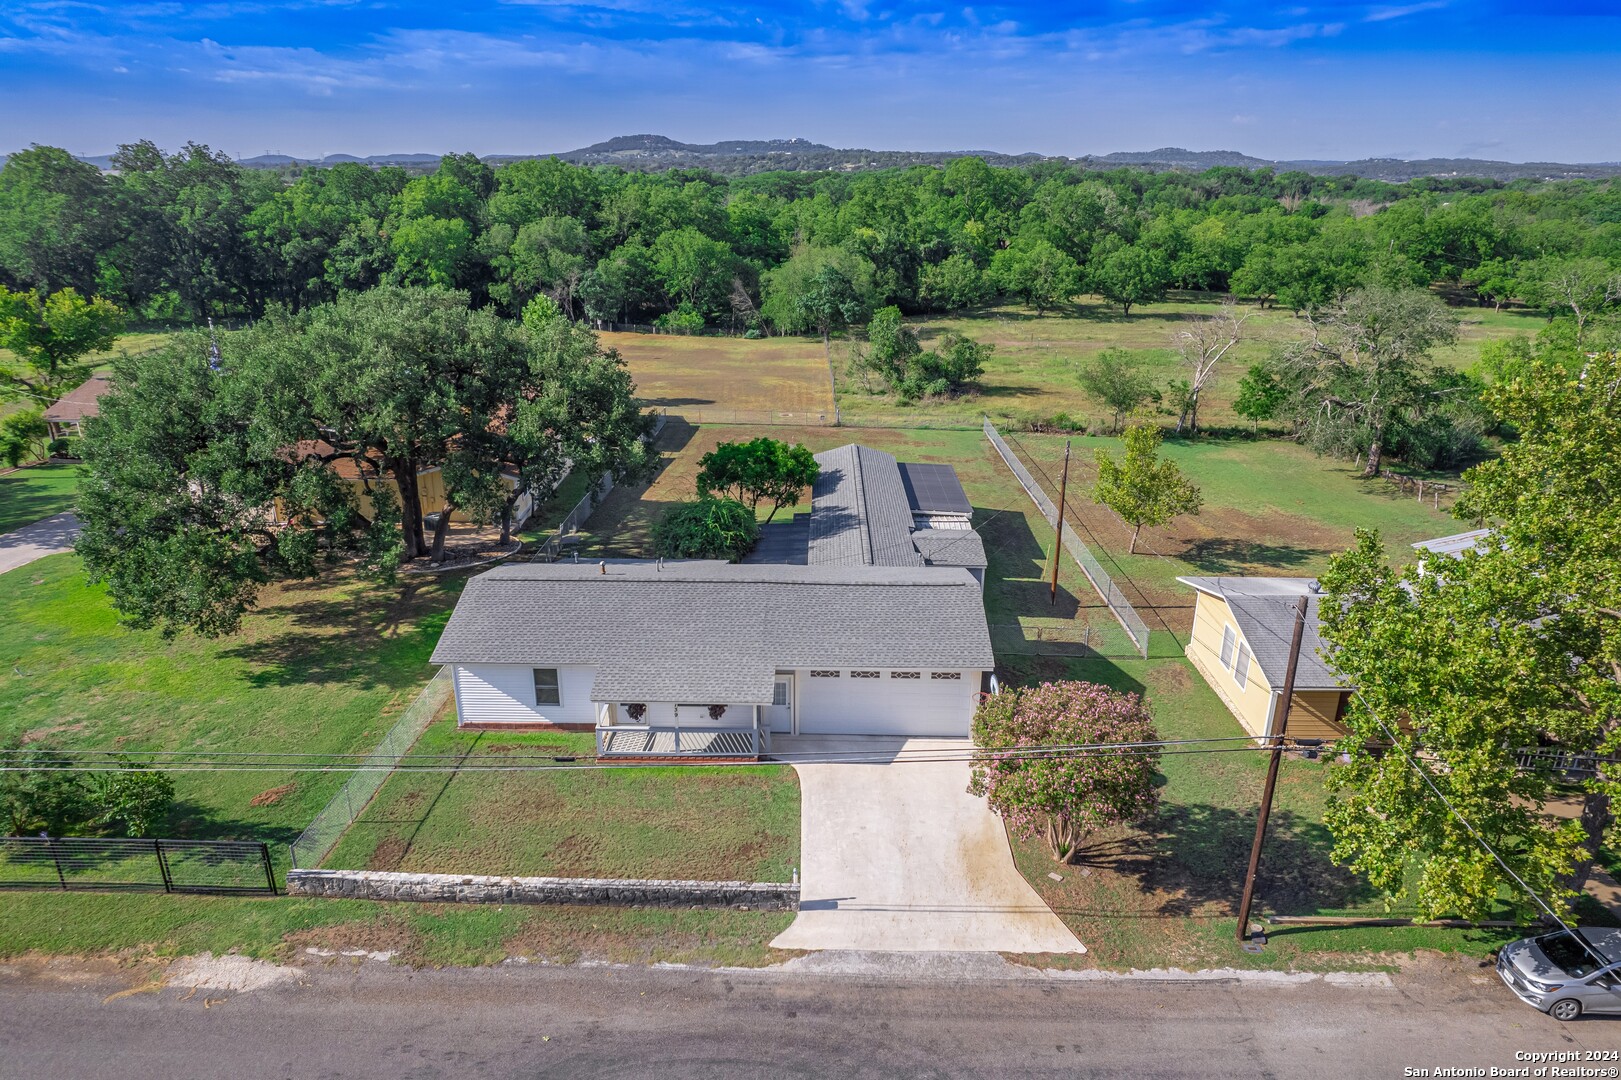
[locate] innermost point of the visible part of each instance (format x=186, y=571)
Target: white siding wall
x=887, y=706
x=505, y=694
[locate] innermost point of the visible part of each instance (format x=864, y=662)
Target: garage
x=873, y=701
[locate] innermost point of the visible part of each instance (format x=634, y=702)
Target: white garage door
x=921, y=703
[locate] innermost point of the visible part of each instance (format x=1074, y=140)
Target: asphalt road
x=371, y=1020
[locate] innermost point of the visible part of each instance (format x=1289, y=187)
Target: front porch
x=673, y=731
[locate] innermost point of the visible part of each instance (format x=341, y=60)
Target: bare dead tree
x=1203, y=343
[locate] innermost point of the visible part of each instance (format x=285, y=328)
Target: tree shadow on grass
x=675, y=402
x=1224, y=555
x=1202, y=852
x=355, y=641
x=1193, y=859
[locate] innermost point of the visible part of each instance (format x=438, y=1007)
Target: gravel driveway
x=898, y=856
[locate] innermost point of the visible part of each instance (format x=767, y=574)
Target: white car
x=1565, y=973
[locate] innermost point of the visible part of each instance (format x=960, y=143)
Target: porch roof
x=716, y=632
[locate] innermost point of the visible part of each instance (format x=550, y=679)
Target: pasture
x=729, y=380
x=1031, y=376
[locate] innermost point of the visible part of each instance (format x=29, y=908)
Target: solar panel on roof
x=934, y=489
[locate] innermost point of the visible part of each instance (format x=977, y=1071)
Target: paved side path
x=52, y=536
x=896, y=855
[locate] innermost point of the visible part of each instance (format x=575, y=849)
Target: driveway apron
x=52, y=536
x=897, y=856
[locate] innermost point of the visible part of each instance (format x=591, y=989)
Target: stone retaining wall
x=491, y=889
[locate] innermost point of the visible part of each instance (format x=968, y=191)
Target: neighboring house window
x=863, y=674
x=945, y=674
x=824, y=674
x=1241, y=669
x=779, y=694
x=1229, y=639
x=903, y=674
x=547, y=689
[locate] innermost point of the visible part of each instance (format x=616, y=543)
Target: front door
x=780, y=713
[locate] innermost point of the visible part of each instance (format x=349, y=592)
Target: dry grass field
x=726, y=380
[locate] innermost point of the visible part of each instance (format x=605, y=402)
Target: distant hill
x=741, y=157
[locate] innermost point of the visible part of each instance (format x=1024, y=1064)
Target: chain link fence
x=1130, y=621
x=318, y=840
x=1014, y=639
x=551, y=548
x=126, y=864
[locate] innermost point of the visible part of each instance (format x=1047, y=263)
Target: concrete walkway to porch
x=897, y=856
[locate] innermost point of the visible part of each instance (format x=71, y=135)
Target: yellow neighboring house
x=1242, y=627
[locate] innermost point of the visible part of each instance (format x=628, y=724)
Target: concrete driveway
x=897, y=856
x=52, y=536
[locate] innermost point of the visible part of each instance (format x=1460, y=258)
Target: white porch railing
x=647, y=740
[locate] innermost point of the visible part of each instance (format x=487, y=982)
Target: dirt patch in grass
x=388, y=854
x=271, y=796
x=42, y=734
x=390, y=933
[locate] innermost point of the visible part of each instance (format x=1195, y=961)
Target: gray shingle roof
x=860, y=515
x=712, y=632
x=1264, y=609
x=950, y=547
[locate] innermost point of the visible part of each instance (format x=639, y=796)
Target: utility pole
x=1272, y=772
x=1058, y=536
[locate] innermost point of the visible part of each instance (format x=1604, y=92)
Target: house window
x=945, y=674
x=779, y=692
x=824, y=674
x=903, y=675
x=548, y=691
x=863, y=674
x=1229, y=639
x=1241, y=669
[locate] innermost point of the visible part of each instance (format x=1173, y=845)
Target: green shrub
x=706, y=529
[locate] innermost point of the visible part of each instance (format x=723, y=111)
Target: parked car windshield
x=1569, y=954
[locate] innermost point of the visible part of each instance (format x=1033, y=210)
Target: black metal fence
x=184, y=866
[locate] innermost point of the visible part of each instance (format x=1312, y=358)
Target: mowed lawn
x=1271, y=508
x=725, y=380
x=321, y=667
x=35, y=493
x=720, y=823
x=1032, y=374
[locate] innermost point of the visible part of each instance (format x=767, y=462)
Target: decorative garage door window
x=824, y=674
x=863, y=674
x=945, y=674
x=903, y=674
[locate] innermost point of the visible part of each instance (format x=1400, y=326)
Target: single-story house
x=69, y=410
x=672, y=659
x=1242, y=629
x=867, y=509
x=864, y=616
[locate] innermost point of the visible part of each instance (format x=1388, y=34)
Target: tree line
x=180, y=237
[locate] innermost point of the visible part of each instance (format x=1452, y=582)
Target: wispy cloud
x=1386, y=14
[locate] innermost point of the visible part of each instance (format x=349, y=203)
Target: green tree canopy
x=759, y=469
x=1132, y=275
x=1118, y=378
x=51, y=335
x=1466, y=662
x=1142, y=487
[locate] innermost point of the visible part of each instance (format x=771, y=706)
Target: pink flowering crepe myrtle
x=1063, y=796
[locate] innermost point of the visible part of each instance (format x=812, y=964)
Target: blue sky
x=1481, y=78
